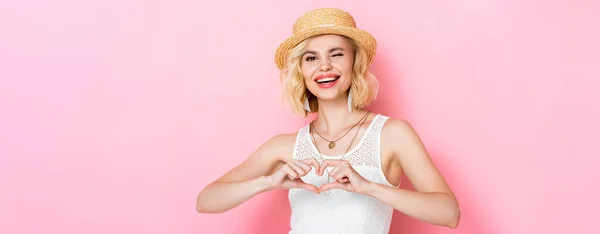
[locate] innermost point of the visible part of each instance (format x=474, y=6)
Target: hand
x=288, y=176
x=345, y=177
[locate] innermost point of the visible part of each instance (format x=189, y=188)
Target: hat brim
x=364, y=39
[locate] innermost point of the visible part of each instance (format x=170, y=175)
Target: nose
x=325, y=65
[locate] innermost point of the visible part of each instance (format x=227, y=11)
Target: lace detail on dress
x=365, y=153
x=341, y=211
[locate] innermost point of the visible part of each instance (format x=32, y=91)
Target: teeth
x=326, y=79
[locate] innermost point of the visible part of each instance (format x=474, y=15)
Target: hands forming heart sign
x=343, y=175
x=288, y=176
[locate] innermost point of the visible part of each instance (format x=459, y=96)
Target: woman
x=344, y=168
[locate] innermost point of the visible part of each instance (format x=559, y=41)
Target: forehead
x=326, y=42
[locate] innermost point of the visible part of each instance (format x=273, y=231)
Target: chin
x=329, y=94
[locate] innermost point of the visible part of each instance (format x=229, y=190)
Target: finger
x=341, y=174
x=301, y=164
x=334, y=185
x=298, y=169
x=334, y=163
x=286, y=169
x=302, y=185
x=313, y=162
x=327, y=163
x=337, y=169
x=304, y=166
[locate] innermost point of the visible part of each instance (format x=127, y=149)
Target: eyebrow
x=330, y=50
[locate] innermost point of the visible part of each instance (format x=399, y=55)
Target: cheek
x=349, y=65
x=307, y=81
x=307, y=71
x=345, y=66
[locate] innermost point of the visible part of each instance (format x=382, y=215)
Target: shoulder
x=279, y=146
x=399, y=134
x=395, y=127
x=283, y=140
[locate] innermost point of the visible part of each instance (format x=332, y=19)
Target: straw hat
x=325, y=21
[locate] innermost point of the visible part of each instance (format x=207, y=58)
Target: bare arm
x=269, y=167
x=433, y=200
x=245, y=180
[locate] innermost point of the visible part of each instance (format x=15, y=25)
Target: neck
x=334, y=116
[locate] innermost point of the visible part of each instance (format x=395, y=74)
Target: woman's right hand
x=257, y=174
x=288, y=176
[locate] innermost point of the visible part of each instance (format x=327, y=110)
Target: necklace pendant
x=331, y=145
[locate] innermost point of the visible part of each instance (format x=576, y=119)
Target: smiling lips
x=327, y=80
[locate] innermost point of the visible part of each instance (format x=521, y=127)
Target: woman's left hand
x=345, y=177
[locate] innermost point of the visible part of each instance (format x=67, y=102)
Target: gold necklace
x=332, y=143
x=362, y=120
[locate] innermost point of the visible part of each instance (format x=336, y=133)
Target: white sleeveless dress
x=341, y=211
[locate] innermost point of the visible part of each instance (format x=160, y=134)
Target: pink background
x=114, y=114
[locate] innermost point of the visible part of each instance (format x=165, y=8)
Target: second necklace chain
x=332, y=143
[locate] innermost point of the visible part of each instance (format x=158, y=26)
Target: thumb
x=300, y=184
x=334, y=185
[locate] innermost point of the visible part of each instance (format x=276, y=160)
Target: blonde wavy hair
x=364, y=84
